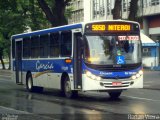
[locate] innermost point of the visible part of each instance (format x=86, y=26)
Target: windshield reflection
x=104, y=50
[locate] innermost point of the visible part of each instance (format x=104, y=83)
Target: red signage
x=121, y=38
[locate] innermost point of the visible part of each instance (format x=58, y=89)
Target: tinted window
x=26, y=47
x=54, y=45
x=13, y=48
x=44, y=49
x=35, y=47
x=66, y=44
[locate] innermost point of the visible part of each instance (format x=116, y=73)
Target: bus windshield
x=102, y=49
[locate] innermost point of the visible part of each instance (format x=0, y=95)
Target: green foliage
x=36, y=19
x=12, y=21
x=17, y=16
x=68, y=12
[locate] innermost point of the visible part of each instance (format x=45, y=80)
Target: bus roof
x=46, y=31
x=63, y=28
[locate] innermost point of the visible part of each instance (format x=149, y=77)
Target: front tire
x=67, y=89
x=115, y=94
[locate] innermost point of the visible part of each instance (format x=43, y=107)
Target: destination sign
x=119, y=27
x=103, y=27
x=112, y=27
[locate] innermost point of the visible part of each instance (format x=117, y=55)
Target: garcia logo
x=42, y=66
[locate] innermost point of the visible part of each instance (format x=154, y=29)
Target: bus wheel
x=30, y=87
x=114, y=95
x=29, y=83
x=67, y=89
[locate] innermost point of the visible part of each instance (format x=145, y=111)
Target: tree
x=16, y=16
x=12, y=21
x=117, y=10
x=1, y=51
x=36, y=19
x=55, y=11
x=133, y=10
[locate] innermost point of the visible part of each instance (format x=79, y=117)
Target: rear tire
x=67, y=89
x=114, y=95
x=29, y=83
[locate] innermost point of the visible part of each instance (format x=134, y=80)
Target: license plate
x=116, y=83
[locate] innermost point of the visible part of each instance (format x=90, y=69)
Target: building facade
x=77, y=11
x=90, y=10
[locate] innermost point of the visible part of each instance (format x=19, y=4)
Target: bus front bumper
x=111, y=84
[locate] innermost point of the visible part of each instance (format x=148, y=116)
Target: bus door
x=77, y=58
x=18, y=61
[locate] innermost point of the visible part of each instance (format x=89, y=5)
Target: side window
x=26, y=47
x=13, y=48
x=66, y=44
x=44, y=42
x=35, y=47
x=54, y=45
x=146, y=52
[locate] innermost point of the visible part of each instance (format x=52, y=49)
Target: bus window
x=44, y=42
x=66, y=44
x=35, y=47
x=13, y=48
x=26, y=47
x=54, y=45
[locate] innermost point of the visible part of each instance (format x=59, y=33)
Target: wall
x=153, y=60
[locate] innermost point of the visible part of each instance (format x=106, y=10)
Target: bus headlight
x=98, y=78
x=137, y=75
x=140, y=72
x=92, y=76
x=134, y=77
x=88, y=73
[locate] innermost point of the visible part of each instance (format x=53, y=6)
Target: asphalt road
x=17, y=103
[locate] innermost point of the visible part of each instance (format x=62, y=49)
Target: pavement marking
x=133, y=97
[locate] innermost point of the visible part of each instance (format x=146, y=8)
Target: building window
x=145, y=3
x=98, y=8
x=101, y=8
x=124, y=6
x=108, y=7
x=146, y=52
x=154, y=2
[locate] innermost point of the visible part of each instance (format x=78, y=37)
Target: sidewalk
x=6, y=73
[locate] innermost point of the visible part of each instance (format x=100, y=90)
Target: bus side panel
x=54, y=80
x=47, y=73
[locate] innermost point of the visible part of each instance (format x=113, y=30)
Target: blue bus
x=100, y=56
